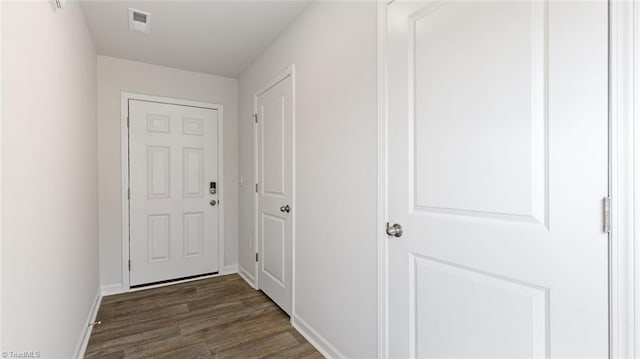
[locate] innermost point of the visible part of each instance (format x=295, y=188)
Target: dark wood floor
x=220, y=317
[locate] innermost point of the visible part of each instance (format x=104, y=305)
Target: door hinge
x=129, y=265
x=127, y=121
x=128, y=193
x=606, y=214
x=255, y=117
x=256, y=257
x=256, y=188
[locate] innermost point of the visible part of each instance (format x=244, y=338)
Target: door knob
x=285, y=208
x=394, y=230
x=213, y=202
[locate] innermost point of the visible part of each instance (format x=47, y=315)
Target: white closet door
x=497, y=160
x=275, y=187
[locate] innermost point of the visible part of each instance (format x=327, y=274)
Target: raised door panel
x=158, y=172
x=158, y=237
x=272, y=114
x=193, y=126
x=193, y=172
x=494, y=317
x=193, y=236
x=479, y=142
x=273, y=242
x=158, y=123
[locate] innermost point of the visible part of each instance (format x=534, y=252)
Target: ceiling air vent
x=139, y=21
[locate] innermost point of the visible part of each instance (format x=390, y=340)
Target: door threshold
x=164, y=283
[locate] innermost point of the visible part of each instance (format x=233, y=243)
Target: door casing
x=287, y=72
x=624, y=178
x=124, y=162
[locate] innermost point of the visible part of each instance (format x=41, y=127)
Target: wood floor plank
x=182, y=344
x=220, y=317
x=258, y=348
x=245, y=333
x=105, y=355
x=296, y=351
x=196, y=351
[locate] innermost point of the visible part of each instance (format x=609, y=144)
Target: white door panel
x=273, y=246
x=275, y=176
x=173, y=157
x=461, y=82
x=497, y=149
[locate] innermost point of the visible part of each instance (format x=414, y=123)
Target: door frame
x=283, y=75
x=624, y=179
x=124, y=165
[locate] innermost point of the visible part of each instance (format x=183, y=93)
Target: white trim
x=256, y=266
x=124, y=187
x=284, y=74
x=635, y=269
x=1, y=174
x=247, y=277
x=624, y=177
x=382, y=213
x=114, y=289
x=293, y=187
x=318, y=341
x=124, y=161
x=83, y=341
x=167, y=284
x=230, y=269
x=111, y=289
x=221, y=186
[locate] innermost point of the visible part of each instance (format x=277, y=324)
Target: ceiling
x=215, y=37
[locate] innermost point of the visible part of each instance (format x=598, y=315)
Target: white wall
x=50, y=201
x=116, y=76
x=333, y=46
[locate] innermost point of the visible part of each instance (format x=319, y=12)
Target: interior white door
x=497, y=168
x=274, y=108
x=173, y=159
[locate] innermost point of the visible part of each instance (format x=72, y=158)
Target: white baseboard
x=230, y=269
x=247, y=277
x=111, y=289
x=317, y=340
x=83, y=341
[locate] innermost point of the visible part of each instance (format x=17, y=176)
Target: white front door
x=497, y=169
x=274, y=108
x=173, y=164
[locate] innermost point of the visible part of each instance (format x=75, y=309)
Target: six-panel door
x=173, y=153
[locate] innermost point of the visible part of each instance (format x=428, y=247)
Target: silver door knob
x=213, y=202
x=394, y=230
x=285, y=208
